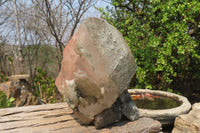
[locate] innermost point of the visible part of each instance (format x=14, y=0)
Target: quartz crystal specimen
x=96, y=70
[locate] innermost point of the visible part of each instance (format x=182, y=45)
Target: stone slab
x=59, y=118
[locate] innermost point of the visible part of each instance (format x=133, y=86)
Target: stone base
x=188, y=123
x=59, y=118
x=124, y=106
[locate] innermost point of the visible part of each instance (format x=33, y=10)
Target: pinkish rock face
x=97, y=68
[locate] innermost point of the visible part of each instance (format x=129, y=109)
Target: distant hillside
x=43, y=56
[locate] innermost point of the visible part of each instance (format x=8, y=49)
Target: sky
x=100, y=3
x=92, y=12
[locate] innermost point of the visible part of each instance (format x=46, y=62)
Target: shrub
x=3, y=77
x=164, y=36
x=4, y=102
x=44, y=86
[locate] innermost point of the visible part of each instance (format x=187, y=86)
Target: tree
x=5, y=15
x=164, y=37
x=61, y=18
x=40, y=22
x=20, y=57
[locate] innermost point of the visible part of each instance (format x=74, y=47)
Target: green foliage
x=10, y=59
x=4, y=102
x=44, y=86
x=10, y=102
x=3, y=77
x=164, y=36
x=43, y=56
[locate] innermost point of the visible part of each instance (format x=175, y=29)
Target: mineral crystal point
x=96, y=70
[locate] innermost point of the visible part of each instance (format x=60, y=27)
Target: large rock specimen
x=188, y=123
x=97, y=68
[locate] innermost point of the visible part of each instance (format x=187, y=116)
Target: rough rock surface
x=19, y=88
x=59, y=118
x=188, y=123
x=97, y=68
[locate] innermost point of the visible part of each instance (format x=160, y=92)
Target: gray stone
x=108, y=116
x=19, y=77
x=97, y=68
x=188, y=123
x=124, y=106
x=128, y=107
x=142, y=125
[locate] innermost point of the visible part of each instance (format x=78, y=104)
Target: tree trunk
x=20, y=57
